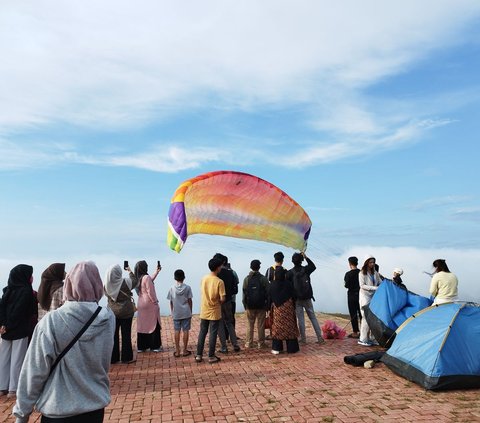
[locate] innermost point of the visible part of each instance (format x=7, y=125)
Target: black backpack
x=301, y=284
x=256, y=295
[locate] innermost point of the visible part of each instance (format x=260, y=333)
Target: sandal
x=186, y=353
x=176, y=355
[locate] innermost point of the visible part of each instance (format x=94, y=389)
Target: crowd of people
x=39, y=328
x=362, y=283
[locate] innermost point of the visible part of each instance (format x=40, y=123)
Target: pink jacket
x=148, y=308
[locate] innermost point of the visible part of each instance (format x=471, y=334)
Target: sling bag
x=74, y=340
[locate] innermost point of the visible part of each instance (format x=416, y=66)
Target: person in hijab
x=119, y=293
x=17, y=307
x=50, y=291
x=78, y=388
x=284, y=322
x=148, y=317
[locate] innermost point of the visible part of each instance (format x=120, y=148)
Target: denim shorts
x=182, y=324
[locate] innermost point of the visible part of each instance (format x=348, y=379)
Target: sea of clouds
x=329, y=291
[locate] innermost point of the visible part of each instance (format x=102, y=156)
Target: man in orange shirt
x=212, y=293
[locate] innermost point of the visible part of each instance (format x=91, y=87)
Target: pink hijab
x=83, y=283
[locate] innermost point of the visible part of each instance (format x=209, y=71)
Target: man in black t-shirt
x=351, y=283
x=228, y=278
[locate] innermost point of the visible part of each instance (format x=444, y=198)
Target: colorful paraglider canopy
x=237, y=205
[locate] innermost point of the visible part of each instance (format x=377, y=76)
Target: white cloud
x=470, y=214
x=114, y=63
x=327, y=280
x=166, y=159
x=439, y=202
x=358, y=146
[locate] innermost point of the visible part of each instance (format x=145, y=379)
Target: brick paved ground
x=255, y=386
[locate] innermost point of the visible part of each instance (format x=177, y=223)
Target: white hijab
x=114, y=280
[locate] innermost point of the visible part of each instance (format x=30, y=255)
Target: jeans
x=206, y=326
x=259, y=316
x=125, y=325
x=227, y=317
x=308, y=306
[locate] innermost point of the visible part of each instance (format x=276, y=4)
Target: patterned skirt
x=284, y=325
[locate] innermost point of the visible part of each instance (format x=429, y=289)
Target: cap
x=398, y=271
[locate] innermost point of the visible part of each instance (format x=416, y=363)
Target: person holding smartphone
x=118, y=291
x=148, y=317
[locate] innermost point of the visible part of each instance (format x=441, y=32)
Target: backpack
x=277, y=273
x=256, y=295
x=301, y=284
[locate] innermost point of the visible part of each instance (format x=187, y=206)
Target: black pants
x=292, y=345
x=354, y=309
x=152, y=341
x=125, y=325
x=90, y=417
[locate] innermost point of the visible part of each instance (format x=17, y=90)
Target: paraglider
x=238, y=205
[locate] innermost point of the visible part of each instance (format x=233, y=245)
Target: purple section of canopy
x=177, y=218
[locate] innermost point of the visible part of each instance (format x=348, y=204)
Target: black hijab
x=20, y=276
x=281, y=289
x=141, y=269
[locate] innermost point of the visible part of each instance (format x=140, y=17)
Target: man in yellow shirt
x=212, y=293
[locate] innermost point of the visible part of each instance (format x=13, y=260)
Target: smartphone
x=158, y=264
x=125, y=264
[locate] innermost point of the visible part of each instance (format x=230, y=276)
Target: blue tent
x=391, y=305
x=439, y=347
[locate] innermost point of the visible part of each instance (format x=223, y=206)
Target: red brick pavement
x=313, y=385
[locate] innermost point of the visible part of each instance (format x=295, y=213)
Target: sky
x=366, y=113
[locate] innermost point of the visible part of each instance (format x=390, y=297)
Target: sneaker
x=214, y=359
x=364, y=343
x=158, y=349
x=140, y=351
x=223, y=351
x=275, y=352
x=374, y=342
x=303, y=341
x=198, y=358
x=321, y=341
x=236, y=348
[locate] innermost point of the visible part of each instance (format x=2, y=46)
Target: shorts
x=182, y=324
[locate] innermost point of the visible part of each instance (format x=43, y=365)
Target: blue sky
x=366, y=114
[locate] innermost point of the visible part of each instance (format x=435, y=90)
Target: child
x=180, y=296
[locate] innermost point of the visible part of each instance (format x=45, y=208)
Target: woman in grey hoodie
x=78, y=389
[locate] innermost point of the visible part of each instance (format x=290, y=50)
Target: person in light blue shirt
x=180, y=297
